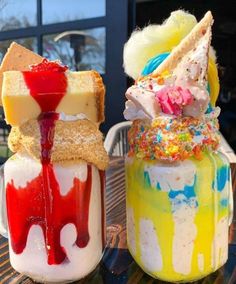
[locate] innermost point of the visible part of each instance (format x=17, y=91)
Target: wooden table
x=117, y=265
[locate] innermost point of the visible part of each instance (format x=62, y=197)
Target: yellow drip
x=206, y=230
x=153, y=204
x=213, y=80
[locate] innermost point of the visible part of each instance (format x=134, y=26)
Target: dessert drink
x=179, y=196
x=54, y=182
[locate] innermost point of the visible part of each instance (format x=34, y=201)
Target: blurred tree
x=92, y=56
x=29, y=43
x=14, y=23
x=11, y=24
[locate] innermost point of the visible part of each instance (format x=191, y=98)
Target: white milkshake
x=20, y=170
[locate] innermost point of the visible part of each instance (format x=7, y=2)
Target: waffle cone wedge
x=186, y=45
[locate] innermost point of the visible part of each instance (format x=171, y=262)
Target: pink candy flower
x=172, y=99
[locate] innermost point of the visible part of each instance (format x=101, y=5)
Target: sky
x=53, y=10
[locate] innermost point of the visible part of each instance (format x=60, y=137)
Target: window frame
x=39, y=30
x=118, y=21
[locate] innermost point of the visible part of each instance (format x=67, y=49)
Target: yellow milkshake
x=178, y=216
x=179, y=196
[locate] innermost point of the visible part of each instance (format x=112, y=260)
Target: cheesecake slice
x=17, y=58
x=84, y=94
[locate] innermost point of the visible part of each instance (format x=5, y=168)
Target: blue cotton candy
x=153, y=63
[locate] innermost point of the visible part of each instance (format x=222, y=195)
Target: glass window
x=55, y=11
x=28, y=42
x=79, y=50
x=15, y=14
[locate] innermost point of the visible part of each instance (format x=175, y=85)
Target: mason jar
x=56, y=236
x=178, y=214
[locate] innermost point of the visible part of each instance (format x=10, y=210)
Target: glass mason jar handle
x=231, y=202
x=3, y=211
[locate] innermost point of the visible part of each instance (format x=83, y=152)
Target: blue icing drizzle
x=159, y=136
x=222, y=177
x=154, y=62
x=188, y=191
x=208, y=88
x=197, y=132
x=209, y=109
x=187, y=196
x=224, y=202
x=147, y=180
x=158, y=186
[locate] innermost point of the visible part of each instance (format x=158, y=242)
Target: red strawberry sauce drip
x=40, y=202
x=47, y=83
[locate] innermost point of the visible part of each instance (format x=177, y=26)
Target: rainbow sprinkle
x=174, y=139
